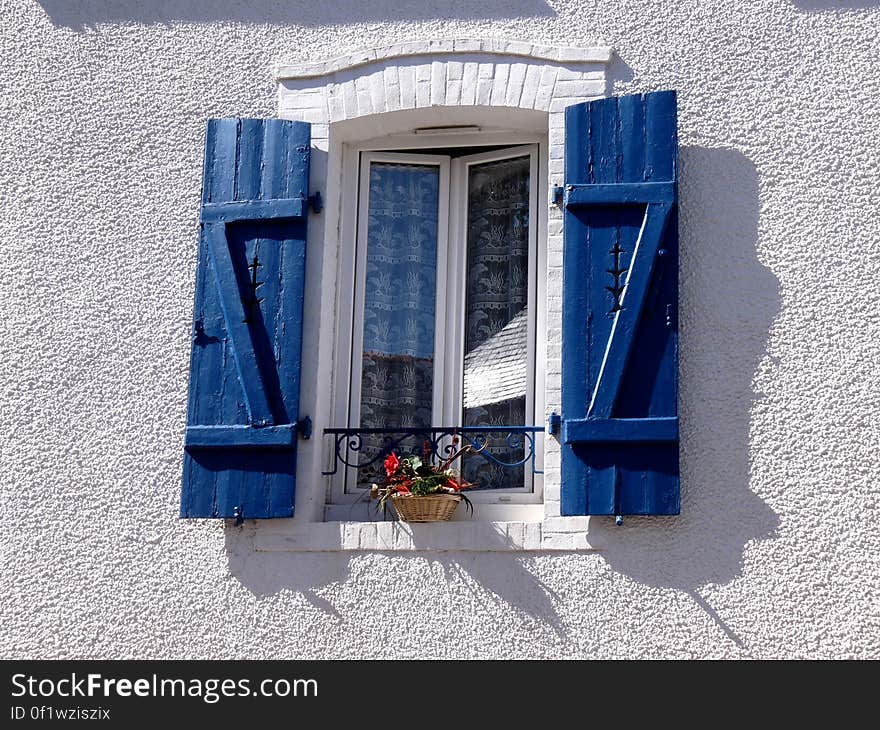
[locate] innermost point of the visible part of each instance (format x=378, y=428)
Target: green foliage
x=429, y=484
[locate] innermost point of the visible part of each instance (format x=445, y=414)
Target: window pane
x=397, y=381
x=496, y=337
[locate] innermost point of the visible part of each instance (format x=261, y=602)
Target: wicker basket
x=428, y=508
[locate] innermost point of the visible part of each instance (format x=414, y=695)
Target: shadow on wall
x=265, y=574
x=618, y=73
x=728, y=303
x=465, y=578
x=819, y=5
x=87, y=13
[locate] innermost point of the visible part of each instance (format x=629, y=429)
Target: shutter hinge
x=557, y=195
x=238, y=515
x=315, y=202
x=304, y=426
x=553, y=423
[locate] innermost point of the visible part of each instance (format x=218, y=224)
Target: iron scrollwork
x=350, y=445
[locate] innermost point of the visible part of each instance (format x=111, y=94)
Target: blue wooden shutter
x=619, y=308
x=240, y=449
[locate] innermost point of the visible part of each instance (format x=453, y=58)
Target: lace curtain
x=397, y=381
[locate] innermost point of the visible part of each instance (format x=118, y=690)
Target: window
x=443, y=304
x=612, y=384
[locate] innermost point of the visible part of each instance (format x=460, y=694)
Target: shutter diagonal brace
x=626, y=319
x=256, y=402
x=215, y=216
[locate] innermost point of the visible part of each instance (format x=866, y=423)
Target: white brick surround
x=554, y=534
x=437, y=47
x=420, y=74
x=437, y=76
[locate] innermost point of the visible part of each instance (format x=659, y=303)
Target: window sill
x=555, y=534
x=483, y=512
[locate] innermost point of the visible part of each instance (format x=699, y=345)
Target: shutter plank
x=619, y=193
x=249, y=210
x=577, y=276
x=249, y=489
x=661, y=136
x=289, y=259
x=611, y=430
x=206, y=389
x=576, y=292
x=248, y=160
x=631, y=110
x=221, y=437
x=222, y=144
x=604, y=141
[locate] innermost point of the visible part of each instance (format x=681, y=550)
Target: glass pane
x=496, y=337
x=397, y=381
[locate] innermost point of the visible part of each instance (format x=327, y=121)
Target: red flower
x=392, y=463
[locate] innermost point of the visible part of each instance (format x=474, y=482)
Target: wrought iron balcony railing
x=501, y=447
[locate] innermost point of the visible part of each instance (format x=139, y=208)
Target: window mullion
x=453, y=359
x=441, y=332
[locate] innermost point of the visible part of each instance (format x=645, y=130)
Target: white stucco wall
x=775, y=554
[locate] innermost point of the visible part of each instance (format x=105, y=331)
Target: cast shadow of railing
x=269, y=573
x=410, y=600
x=729, y=300
x=88, y=13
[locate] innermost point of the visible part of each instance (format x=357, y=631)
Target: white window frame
x=356, y=158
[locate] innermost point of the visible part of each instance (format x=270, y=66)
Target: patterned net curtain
x=397, y=382
x=496, y=337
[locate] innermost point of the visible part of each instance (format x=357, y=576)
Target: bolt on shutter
x=240, y=449
x=619, y=308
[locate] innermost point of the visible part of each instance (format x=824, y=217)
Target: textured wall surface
x=777, y=551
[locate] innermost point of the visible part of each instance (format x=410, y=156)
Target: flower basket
x=421, y=491
x=428, y=508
